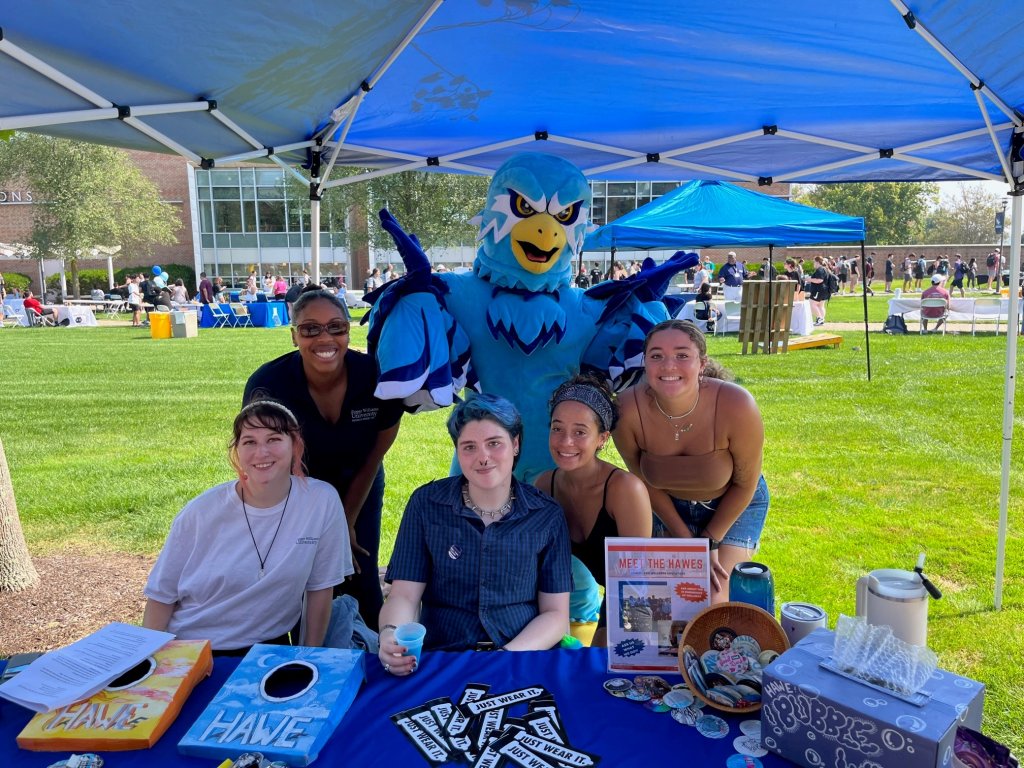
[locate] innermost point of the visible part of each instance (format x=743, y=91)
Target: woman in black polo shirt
x=347, y=430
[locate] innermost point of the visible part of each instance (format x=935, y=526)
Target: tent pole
x=864, y=294
x=1012, y=329
x=772, y=349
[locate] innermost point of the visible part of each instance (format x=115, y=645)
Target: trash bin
x=160, y=325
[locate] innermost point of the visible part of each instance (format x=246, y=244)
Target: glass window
x=203, y=191
x=207, y=241
x=229, y=216
x=597, y=212
x=274, y=240
x=661, y=187
x=296, y=240
x=622, y=188
x=643, y=189
x=272, y=218
x=270, y=193
x=619, y=206
x=225, y=193
x=246, y=176
x=248, y=216
x=269, y=178
x=298, y=220
x=224, y=178
x=205, y=217
x=223, y=241
x=248, y=193
x=244, y=241
x=598, y=187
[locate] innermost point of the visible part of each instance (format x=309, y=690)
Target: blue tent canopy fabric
x=714, y=213
x=794, y=90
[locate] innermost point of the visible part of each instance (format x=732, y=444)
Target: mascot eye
x=570, y=214
x=520, y=207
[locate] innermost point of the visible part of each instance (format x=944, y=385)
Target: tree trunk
x=76, y=289
x=16, y=569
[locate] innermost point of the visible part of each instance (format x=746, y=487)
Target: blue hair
x=480, y=406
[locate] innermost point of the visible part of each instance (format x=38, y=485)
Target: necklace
x=263, y=558
x=682, y=427
x=494, y=514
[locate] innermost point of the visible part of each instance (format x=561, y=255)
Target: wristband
x=713, y=543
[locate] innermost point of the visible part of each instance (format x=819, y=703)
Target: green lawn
x=108, y=433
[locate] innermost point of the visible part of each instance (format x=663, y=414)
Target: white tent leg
x=1012, y=329
x=314, y=241
x=110, y=272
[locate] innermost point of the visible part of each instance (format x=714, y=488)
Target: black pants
x=365, y=585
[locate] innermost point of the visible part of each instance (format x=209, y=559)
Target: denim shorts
x=745, y=532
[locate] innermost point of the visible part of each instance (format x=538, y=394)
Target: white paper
x=653, y=588
x=77, y=671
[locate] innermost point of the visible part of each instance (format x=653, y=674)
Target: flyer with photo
x=654, y=587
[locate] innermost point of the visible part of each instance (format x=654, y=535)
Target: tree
x=16, y=569
x=893, y=212
x=87, y=195
x=968, y=216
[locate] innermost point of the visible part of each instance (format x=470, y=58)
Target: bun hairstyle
x=272, y=415
x=593, y=392
x=712, y=368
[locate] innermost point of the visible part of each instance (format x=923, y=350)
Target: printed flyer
x=654, y=587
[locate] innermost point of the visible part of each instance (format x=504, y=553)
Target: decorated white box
x=817, y=717
x=282, y=701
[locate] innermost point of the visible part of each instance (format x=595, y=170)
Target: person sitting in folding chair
x=705, y=314
x=46, y=314
x=937, y=291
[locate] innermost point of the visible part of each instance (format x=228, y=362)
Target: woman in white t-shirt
x=240, y=557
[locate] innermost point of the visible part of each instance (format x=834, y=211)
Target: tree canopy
x=87, y=195
x=894, y=212
x=967, y=216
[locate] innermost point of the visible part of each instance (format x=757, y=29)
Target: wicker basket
x=741, y=618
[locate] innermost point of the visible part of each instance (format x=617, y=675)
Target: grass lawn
x=108, y=433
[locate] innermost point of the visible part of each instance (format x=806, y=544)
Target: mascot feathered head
x=533, y=224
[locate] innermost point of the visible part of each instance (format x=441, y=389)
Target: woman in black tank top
x=599, y=499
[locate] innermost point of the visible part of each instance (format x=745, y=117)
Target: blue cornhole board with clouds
x=282, y=701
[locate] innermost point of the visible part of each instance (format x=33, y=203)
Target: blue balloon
x=165, y=276
x=156, y=270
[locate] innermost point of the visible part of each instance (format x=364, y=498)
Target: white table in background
x=799, y=324
x=76, y=315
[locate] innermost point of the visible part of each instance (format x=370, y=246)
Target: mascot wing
x=631, y=307
x=422, y=353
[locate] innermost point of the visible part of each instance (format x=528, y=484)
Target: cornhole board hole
x=133, y=712
x=282, y=701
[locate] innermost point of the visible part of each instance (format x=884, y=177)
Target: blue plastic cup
x=411, y=636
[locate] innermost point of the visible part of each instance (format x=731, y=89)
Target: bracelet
x=713, y=543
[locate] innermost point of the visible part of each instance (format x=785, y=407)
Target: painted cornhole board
x=282, y=701
x=133, y=712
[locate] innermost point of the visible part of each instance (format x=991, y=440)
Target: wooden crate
x=766, y=311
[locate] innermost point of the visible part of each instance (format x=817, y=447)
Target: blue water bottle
x=752, y=583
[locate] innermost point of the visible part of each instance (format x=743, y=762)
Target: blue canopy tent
x=716, y=213
x=794, y=90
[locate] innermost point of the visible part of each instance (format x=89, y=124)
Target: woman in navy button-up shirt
x=485, y=555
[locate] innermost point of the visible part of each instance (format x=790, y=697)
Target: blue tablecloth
x=620, y=731
x=259, y=311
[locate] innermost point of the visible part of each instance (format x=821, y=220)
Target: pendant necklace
x=671, y=419
x=493, y=514
x=263, y=558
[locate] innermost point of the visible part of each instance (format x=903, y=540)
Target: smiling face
x=486, y=454
x=323, y=354
x=574, y=436
x=265, y=456
x=673, y=362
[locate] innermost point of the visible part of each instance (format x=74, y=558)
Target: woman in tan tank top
x=696, y=441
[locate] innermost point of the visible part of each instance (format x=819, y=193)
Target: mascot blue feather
x=515, y=326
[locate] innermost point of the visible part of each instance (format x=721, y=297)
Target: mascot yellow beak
x=537, y=242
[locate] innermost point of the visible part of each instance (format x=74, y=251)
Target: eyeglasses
x=312, y=330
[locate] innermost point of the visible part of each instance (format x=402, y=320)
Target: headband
x=591, y=397
x=273, y=404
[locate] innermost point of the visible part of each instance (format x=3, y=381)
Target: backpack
x=991, y=260
x=833, y=283
x=895, y=325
